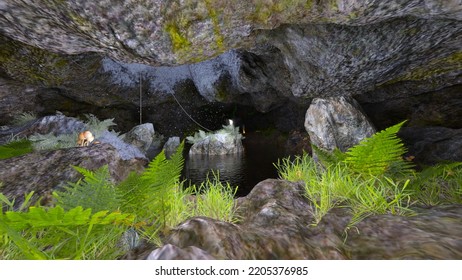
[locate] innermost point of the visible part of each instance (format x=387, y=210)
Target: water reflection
x=243, y=170
x=231, y=168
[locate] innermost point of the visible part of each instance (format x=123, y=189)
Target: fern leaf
x=379, y=154
x=328, y=158
x=95, y=191
x=29, y=250
x=15, y=148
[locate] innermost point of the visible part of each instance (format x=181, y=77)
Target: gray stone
x=432, y=145
x=336, y=123
x=276, y=223
x=126, y=151
x=156, y=32
x=141, y=136
x=171, y=252
x=218, y=144
x=56, y=124
x=171, y=145
x=45, y=171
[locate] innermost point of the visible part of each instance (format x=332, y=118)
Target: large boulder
x=141, y=136
x=276, y=223
x=45, y=171
x=336, y=122
x=220, y=143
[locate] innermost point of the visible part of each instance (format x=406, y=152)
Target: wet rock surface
x=276, y=224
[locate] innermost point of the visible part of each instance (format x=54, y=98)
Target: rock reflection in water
x=231, y=168
x=243, y=170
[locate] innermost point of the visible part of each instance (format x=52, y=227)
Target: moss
x=213, y=14
x=179, y=41
x=434, y=68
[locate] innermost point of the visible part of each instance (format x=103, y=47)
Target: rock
x=45, y=171
x=276, y=223
x=336, y=123
x=171, y=252
x=260, y=54
x=56, y=124
x=431, y=145
x=187, y=31
x=171, y=145
x=126, y=151
x=217, y=144
x=141, y=136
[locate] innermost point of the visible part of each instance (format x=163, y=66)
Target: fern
x=23, y=118
x=96, y=126
x=379, y=154
x=15, y=148
x=327, y=158
x=161, y=178
x=56, y=233
x=50, y=141
x=95, y=191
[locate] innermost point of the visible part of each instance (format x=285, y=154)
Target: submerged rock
x=276, y=223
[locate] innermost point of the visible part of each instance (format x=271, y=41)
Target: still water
x=243, y=170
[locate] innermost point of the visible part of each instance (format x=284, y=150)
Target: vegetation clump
x=228, y=131
x=95, y=218
x=372, y=177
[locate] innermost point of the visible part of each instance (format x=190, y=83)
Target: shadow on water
x=243, y=170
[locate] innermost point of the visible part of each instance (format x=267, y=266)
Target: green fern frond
x=52, y=233
x=15, y=148
x=160, y=178
x=96, y=126
x=327, y=158
x=52, y=142
x=95, y=191
x=379, y=154
x=23, y=118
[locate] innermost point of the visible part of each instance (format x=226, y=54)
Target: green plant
x=23, y=118
x=225, y=132
x=380, y=154
x=371, y=178
x=151, y=197
x=15, y=148
x=51, y=141
x=216, y=200
x=96, y=126
x=54, y=233
x=95, y=191
x=95, y=219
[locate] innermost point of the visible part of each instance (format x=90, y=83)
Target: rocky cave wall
x=260, y=61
